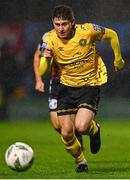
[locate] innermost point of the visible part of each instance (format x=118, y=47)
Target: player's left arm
x=112, y=36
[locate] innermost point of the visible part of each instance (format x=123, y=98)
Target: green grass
x=53, y=162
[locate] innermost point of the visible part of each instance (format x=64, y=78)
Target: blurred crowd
x=19, y=40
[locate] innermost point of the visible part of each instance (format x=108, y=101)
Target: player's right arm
x=42, y=64
x=39, y=83
x=42, y=61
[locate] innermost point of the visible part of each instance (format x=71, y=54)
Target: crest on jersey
x=82, y=42
x=60, y=48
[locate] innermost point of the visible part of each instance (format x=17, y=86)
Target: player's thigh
x=83, y=119
x=54, y=119
x=66, y=124
x=72, y=116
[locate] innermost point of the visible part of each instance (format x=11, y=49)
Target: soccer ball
x=19, y=156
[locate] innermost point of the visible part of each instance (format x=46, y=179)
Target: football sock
x=92, y=129
x=74, y=148
x=79, y=137
x=82, y=162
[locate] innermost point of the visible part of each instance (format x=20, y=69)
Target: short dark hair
x=64, y=12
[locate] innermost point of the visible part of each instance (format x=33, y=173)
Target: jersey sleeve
x=96, y=31
x=46, y=41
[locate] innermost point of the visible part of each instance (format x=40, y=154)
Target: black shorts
x=54, y=89
x=70, y=99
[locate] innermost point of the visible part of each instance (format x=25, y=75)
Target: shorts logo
x=82, y=42
x=53, y=104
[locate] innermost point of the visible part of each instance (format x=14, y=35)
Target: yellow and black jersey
x=77, y=57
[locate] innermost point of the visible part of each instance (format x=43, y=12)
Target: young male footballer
x=72, y=47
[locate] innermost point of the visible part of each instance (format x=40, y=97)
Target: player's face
x=63, y=27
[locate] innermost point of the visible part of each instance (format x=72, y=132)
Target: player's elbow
x=110, y=34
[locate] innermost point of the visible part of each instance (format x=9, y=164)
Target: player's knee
x=81, y=129
x=67, y=134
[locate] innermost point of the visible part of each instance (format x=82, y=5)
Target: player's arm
x=46, y=57
x=39, y=83
x=42, y=65
x=112, y=36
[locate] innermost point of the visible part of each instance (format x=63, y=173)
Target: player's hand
x=39, y=86
x=48, y=53
x=119, y=64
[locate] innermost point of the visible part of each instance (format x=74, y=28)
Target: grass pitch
x=53, y=162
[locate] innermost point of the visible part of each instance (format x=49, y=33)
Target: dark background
x=22, y=24
x=40, y=10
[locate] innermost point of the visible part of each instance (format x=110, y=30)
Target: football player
x=72, y=46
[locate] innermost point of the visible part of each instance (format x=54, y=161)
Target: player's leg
x=84, y=119
x=66, y=115
x=71, y=143
x=77, y=134
x=55, y=120
x=54, y=90
x=80, y=138
x=86, y=125
x=56, y=126
x=95, y=140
